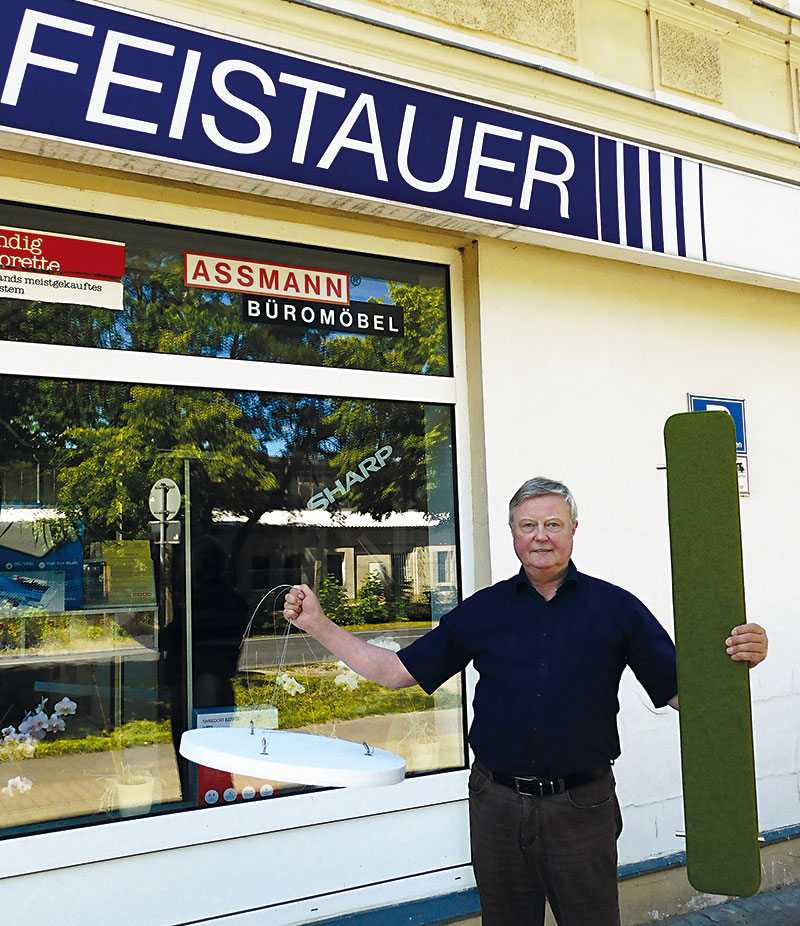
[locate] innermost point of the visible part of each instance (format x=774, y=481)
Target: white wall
x=319, y=860
x=584, y=360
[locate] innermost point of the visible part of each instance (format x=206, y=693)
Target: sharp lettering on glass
x=369, y=465
x=128, y=83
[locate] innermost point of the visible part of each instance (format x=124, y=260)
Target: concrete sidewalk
x=779, y=907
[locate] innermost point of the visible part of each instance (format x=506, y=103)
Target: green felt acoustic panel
x=719, y=794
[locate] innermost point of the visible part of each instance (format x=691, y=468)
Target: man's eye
x=553, y=526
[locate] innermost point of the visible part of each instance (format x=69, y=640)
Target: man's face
x=543, y=532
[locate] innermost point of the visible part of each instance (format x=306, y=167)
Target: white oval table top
x=303, y=758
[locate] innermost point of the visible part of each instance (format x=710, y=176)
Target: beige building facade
x=584, y=212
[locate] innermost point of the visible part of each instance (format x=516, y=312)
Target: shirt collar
x=523, y=583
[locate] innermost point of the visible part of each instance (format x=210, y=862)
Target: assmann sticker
x=252, y=276
x=374, y=318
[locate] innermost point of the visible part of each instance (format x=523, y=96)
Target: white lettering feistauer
x=449, y=169
x=477, y=160
x=106, y=76
x=24, y=55
x=313, y=88
x=185, y=90
x=365, y=103
x=558, y=180
x=218, y=78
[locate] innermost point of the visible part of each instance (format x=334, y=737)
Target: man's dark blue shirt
x=546, y=702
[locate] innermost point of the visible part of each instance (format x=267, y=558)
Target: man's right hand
x=302, y=608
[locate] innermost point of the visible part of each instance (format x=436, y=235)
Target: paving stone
x=772, y=908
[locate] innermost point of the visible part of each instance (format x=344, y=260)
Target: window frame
x=95, y=842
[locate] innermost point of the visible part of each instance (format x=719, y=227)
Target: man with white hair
x=550, y=645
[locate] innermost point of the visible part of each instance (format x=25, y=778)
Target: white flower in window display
x=55, y=724
x=22, y=743
x=65, y=707
x=18, y=785
x=347, y=677
x=8, y=744
x=15, y=745
x=289, y=684
x=26, y=748
x=35, y=725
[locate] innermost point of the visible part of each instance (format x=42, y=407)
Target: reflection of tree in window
x=107, y=467
x=161, y=314
x=92, y=451
x=110, y=442
x=249, y=453
x=423, y=347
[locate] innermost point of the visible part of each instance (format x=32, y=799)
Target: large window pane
x=118, y=633
x=186, y=292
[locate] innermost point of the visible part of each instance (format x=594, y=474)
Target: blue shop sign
x=111, y=79
x=734, y=407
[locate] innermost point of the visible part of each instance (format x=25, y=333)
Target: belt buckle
x=534, y=783
x=547, y=787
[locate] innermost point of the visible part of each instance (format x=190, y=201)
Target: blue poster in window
x=734, y=407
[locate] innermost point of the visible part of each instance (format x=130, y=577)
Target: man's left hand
x=748, y=643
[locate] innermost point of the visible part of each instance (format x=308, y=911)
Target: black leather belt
x=541, y=787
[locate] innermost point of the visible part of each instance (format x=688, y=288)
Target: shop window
x=117, y=634
x=182, y=291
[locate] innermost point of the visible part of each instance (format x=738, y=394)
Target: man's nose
x=540, y=532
